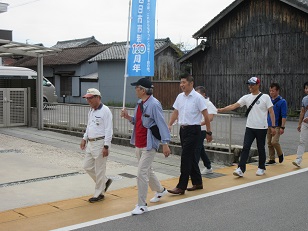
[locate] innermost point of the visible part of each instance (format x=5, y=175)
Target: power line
x=25, y=3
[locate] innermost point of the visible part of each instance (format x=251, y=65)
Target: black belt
x=187, y=126
x=98, y=138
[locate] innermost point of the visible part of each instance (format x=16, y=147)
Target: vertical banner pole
x=127, y=49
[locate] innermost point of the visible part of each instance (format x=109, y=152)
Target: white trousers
x=146, y=176
x=95, y=165
x=302, y=141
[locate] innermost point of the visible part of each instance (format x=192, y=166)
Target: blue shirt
x=152, y=115
x=280, y=109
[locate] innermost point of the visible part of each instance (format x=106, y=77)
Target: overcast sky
x=49, y=21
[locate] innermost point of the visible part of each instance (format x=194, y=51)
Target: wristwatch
x=106, y=146
x=209, y=133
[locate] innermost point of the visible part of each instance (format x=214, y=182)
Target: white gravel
x=49, y=154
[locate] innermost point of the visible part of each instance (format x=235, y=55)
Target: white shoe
x=238, y=172
x=207, y=171
x=260, y=172
x=158, y=196
x=297, y=163
x=139, y=210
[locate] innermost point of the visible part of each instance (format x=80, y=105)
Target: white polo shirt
x=190, y=108
x=211, y=110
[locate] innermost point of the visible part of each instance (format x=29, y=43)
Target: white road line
x=127, y=214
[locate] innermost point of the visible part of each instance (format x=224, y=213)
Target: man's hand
x=124, y=113
x=273, y=131
x=209, y=138
x=82, y=144
x=105, y=152
x=166, y=150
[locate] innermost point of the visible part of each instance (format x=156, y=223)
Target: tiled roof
x=67, y=56
x=117, y=50
x=77, y=43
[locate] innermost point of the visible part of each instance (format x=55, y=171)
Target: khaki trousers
x=95, y=165
x=146, y=176
x=273, y=143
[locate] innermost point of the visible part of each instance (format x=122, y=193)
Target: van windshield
x=45, y=81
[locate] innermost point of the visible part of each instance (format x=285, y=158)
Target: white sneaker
x=139, y=210
x=297, y=162
x=238, y=172
x=158, y=196
x=207, y=171
x=260, y=172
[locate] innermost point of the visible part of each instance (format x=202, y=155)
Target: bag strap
x=253, y=103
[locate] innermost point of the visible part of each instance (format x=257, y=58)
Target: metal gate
x=13, y=107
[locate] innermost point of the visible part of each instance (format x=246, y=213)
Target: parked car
x=49, y=90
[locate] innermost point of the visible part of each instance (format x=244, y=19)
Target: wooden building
x=264, y=38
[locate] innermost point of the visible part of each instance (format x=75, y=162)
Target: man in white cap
x=258, y=105
x=96, y=141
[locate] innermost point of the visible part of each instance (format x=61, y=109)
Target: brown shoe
x=177, y=191
x=195, y=187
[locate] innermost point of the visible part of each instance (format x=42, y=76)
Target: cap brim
x=87, y=95
x=134, y=84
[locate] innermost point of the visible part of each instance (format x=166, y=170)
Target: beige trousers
x=273, y=143
x=95, y=165
x=146, y=176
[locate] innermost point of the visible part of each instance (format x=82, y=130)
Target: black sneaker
x=281, y=157
x=96, y=199
x=270, y=162
x=108, y=183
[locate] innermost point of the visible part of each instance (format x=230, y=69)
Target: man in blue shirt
x=149, y=129
x=280, y=109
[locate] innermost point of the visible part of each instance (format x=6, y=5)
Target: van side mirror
x=47, y=84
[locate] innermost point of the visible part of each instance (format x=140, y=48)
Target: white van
x=49, y=90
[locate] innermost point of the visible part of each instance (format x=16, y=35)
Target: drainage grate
x=127, y=175
x=39, y=179
x=10, y=150
x=213, y=175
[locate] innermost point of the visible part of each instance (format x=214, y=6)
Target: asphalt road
x=279, y=204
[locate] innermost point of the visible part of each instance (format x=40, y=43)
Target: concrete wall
x=111, y=82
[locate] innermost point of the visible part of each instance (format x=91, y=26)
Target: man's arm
x=230, y=107
x=272, y=116
x=300, y=120
x=173, y=118
x=207, y=122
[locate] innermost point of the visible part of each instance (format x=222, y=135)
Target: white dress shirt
x=190, y=108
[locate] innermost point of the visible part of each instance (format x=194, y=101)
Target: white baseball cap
x=91, y=92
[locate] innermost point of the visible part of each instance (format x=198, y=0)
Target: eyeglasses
x=140, y=87
x=88, y=98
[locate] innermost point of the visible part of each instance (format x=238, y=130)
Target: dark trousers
x=250, y=135
x=200, y=152
x=189, y=136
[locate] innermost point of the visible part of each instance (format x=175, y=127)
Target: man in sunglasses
x=149, y=130
x=96, y=142
x=258, y=105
